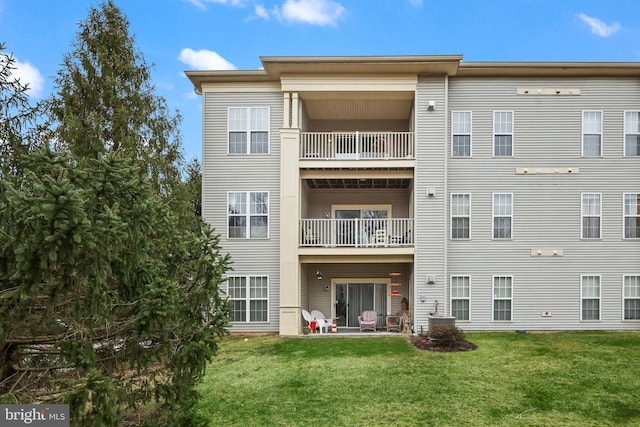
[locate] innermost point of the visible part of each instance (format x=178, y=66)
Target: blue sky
x=178, y=35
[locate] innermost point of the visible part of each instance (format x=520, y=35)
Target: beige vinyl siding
x=546, y=207
x=259, y=172
x=431, y=146
x=308, y=275
x=323, y=199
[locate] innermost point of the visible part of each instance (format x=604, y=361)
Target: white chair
x=321, y=320
x=381, y=237
x=308, y=317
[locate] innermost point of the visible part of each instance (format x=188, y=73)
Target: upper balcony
x=357, y=145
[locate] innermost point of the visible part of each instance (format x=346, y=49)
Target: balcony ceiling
x=359, y=109
x=375, y=183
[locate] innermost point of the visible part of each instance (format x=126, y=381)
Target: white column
x=286, y=116
x=290, y=293
x=295, y=110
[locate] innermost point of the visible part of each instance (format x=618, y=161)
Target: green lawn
x=551, y=379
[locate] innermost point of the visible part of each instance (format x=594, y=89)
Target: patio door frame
x=359, y=281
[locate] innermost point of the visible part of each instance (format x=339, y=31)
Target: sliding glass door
x=357, y=225
x=354, y=297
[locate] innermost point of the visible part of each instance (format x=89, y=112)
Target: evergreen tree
x=109, y=284
x=193, y=182
x=105, y=100
x=17, y=117
x=103, y=305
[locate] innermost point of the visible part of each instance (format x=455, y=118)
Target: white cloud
x=27, y=74
x=204, y=60
x=202, y=4
x=598, y=27
x=261, y=12
x=315, y=12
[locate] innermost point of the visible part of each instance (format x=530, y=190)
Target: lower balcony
x=358, y=232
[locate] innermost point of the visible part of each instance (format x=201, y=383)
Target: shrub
x=448, y=334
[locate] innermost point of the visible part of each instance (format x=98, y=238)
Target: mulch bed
x=424, y=343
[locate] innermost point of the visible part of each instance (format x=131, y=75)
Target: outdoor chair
x=381, y=237
x=310, y=238
x=368, y=320
x=321, y=320
x=308, y=318
x=394, y=323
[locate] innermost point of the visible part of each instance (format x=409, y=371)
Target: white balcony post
x=294, y=110
x=286, y=116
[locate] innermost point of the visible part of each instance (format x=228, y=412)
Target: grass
x=552, y=379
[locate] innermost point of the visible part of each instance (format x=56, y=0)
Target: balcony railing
x=366, y=232
x=357, y=145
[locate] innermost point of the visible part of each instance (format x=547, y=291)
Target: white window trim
x=470, y=134
x=494, y=299
x=625, y=216
x=451, y=216
x=582, y=215
x=623, y=297
x=248, y=130
x=600, y=132
x=451, y=296
x=582, y=276
x=624, y=132
x=493, y=216
x=248, y=215
x=248, y=298
x=509, y=133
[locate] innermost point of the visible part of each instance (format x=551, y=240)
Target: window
x=591, y=215
x=503, y=133
x=592, y=133
x=248, y=130
x=632, y=215
x=632, y=133
x=248, y=215
x=461, y=133
x=631, y=297
x=460, y=297
x=249, y=298
x=502, y=286
x=460, y=215
x=502, y=215
x=590, y=297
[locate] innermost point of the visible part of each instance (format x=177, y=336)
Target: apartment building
x=506, y=195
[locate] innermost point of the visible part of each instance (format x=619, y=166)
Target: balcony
x=357, y=146
x=359, y=232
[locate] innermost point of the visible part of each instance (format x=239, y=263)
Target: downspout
x=445, y=194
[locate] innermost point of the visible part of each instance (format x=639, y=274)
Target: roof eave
x=549, y=69
x=199, y=77
x=417, y=64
